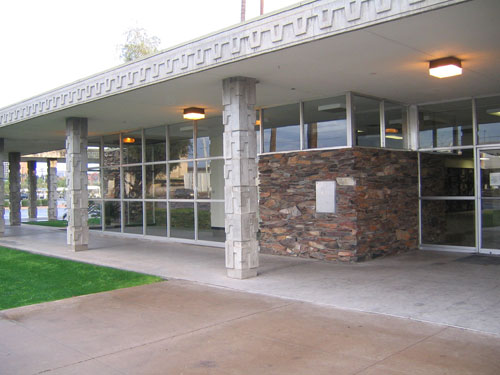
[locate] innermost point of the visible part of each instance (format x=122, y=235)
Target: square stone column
x=15, y=188
x=76, y=183
x=240, y=173
x=32, y=182
x=2, y=188
x=52, y=189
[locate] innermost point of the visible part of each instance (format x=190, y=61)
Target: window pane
x=445, y=124
x=489, y=160
x=211, y=222
x=488, y=119
x=395, y=123
x=94, y=181
x=447, y=222
x=181, y=141
x=155, y=144
x=112, y=216
x=95, y=215
x=111, y=188
x=182, y=220
x=133, y=217
x=94, y=153
x=281, y=128
x=111, y=150
x=210, y=179
x=447, y=173
x=490, y=223
x=156, y=216
x=132, y=147
x=209, y=140
x=325, y=122
x=181, y=180
x=367, y=121
x=156, y=181
x=132, y=182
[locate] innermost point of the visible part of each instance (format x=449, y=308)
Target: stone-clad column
x=52, y=189
x=15, y=188
x=240, y=172
x=32, y=210
x=76, y=183
x=2, y=188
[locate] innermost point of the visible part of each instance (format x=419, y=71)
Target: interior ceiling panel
x=388, y=61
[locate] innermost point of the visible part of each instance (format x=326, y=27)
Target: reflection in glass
x=448, y=222
x=181, y=180
x=445, y=124
x=490, y=220
x=155, y=144
x=111, y=181
x=156, y=219
x=367, y=121
x=210, y=181
x=490, y=173
x=94, y=181
x=133, y=217
x=395, y=125
x=209, y=138
x=211, y=222
x=181, y=141
x=156, y=181
x=112, y=216
x=95, y=215
x=488, y=119
x=132, y=182
x=325, y=122
x=182, y=220
x=132, y=147
x=281, y=128
x=94, y=153
x=447, y=173
x=111, y=150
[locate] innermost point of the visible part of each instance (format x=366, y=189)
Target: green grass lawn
x=27, y=278
x=60, y=223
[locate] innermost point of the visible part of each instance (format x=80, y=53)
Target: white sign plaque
x=325, y=196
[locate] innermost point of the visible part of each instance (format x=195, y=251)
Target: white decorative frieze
x=314, y=20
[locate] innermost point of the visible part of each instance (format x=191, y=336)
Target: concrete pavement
x=180, y=327
x=444, y=288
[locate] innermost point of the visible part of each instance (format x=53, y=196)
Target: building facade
x=324, y=136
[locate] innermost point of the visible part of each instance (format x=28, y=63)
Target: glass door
x=489, y=200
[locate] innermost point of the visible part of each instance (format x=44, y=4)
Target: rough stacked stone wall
x=377, y=203
x=289, y=223
x=386, y=201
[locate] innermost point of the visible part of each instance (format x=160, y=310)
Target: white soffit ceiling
x=388, y=60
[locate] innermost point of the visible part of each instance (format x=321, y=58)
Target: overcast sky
x=45, y=44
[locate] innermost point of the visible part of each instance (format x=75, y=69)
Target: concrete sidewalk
x=179, y=327
x=443, y=288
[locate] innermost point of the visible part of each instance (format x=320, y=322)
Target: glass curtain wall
x=459, y=174
x=166, y=181
x=329, y=123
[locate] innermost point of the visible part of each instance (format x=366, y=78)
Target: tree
x=138, y=44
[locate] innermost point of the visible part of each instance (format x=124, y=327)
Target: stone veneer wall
x=377, y=203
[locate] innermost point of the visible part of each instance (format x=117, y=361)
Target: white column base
x=241, y=274
x=76, y=248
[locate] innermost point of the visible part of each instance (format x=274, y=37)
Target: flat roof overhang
x=387, y=58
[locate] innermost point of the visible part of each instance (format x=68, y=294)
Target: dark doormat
x=483, y=260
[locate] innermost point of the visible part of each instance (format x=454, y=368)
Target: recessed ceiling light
x=494, y=112
x=194, y=113
x=445, y=67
